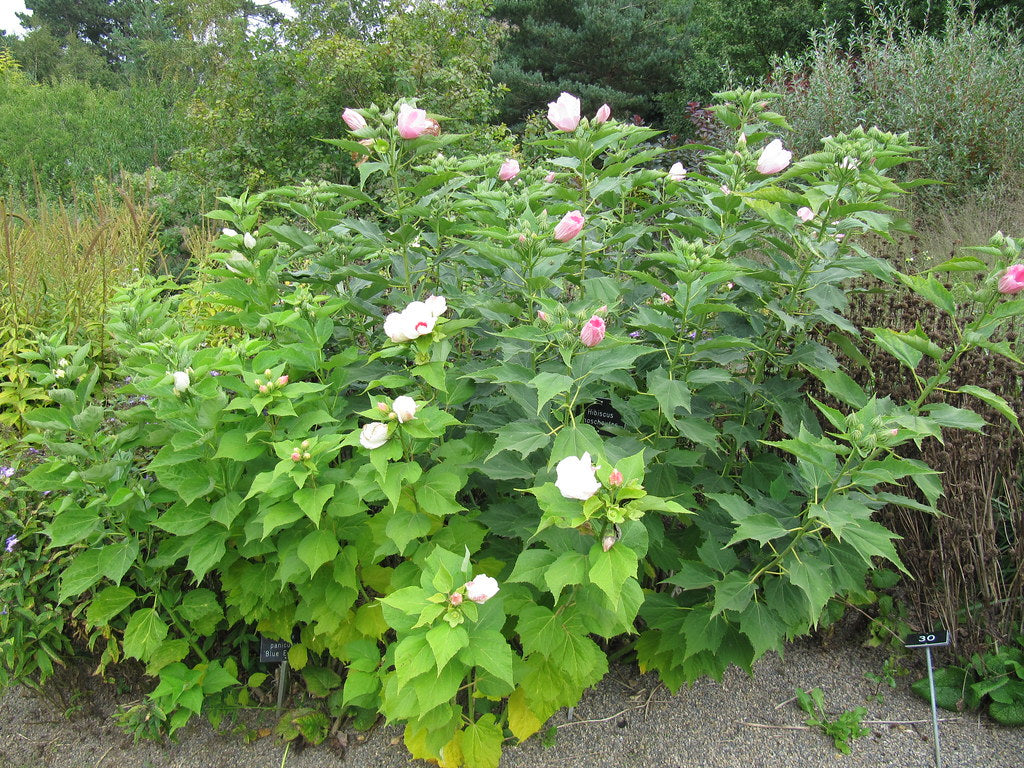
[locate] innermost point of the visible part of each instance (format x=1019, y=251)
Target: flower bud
x=307, y=455
x=268, y=373
x=264, y=389
x=257, y=382
x=615, y=479
x=248, y=240
x=296, y=456
x=456, y=598
x=607, y=542
x=282, y=380
x=893, y=432
x=550, y=177
x=305, y=444
x=542, y=315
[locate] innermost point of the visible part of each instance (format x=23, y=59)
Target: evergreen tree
x=623, y=52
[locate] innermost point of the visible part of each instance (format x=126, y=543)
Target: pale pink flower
x=1012, y=280
x=773, y=158
x=481, y=589
x=509, y=170
x=550, y=177
x=542, y=315
x=603, y=113
x=593, y=332
x=564, y=113
x=413, y=123
x=805, y=214
x=575, y=477
x=373, y=435
x=404, y=408
x=725, y=189
x=570, y=226
x=353, y=119
x=437, y=305
x=677, y=172
x=665, y=298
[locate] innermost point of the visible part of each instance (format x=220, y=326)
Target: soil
x=628, y=721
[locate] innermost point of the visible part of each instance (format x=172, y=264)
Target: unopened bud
x=456, y=598
x=607, y=543
x=542, y=315
x=263, y=389
x=268, y=373
x=893, y=432
x=296, y=456
x=307, y=456
x=257, y=382
x=282, y=380
x=383, y=407
x=522, y=238
x=615, y=479
x=305, y=444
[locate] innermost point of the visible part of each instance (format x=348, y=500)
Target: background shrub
x=959, y=94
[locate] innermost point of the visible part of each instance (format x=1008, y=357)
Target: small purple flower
x=7, y=472
x=12, y=542
x=634, y=335
x=127, y=379
x=216, y=373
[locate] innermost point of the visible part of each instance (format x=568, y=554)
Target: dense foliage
x=381, y=448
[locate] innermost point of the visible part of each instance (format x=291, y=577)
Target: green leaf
x=810, y=574
x=958, y=418
x=896, y=346
x=703, y=630
x=235, y=445
x=321, y=681
x=318, y=547
x=531, y=567
x=995, y=401
x=72, y=526
x=144, y=633
x=481, y=743
x=206, y=549
x=108, y=603
x=931, y=289
x=761, y=527
x=189, y=481
x=200, y=608
x=436, y=490
x=523, y=437
x=489, y=650
x=311, y=500
x=116, y=559
x=841, y=386
x=445, y=641
x=763, y=627
x=733, y=593
x=570, y=568
x=608, y=570
x=548, y=385
x=83, y=572
x=671, y=394
x=184, y=520
x=215, y=678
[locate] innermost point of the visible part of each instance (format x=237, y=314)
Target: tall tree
x=91, y=21
x=623, y=52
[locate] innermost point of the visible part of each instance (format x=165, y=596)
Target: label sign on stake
x=600, y=414
x=273, y=651
x=929, y=640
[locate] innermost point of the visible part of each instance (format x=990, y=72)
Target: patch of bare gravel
x=628, y=721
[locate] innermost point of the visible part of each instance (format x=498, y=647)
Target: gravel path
x=628, y=721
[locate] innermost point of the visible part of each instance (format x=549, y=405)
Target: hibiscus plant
x=374, y=444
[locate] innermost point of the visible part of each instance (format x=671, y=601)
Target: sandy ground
x=627, y=721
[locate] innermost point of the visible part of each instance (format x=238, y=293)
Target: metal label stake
x=928, y=641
